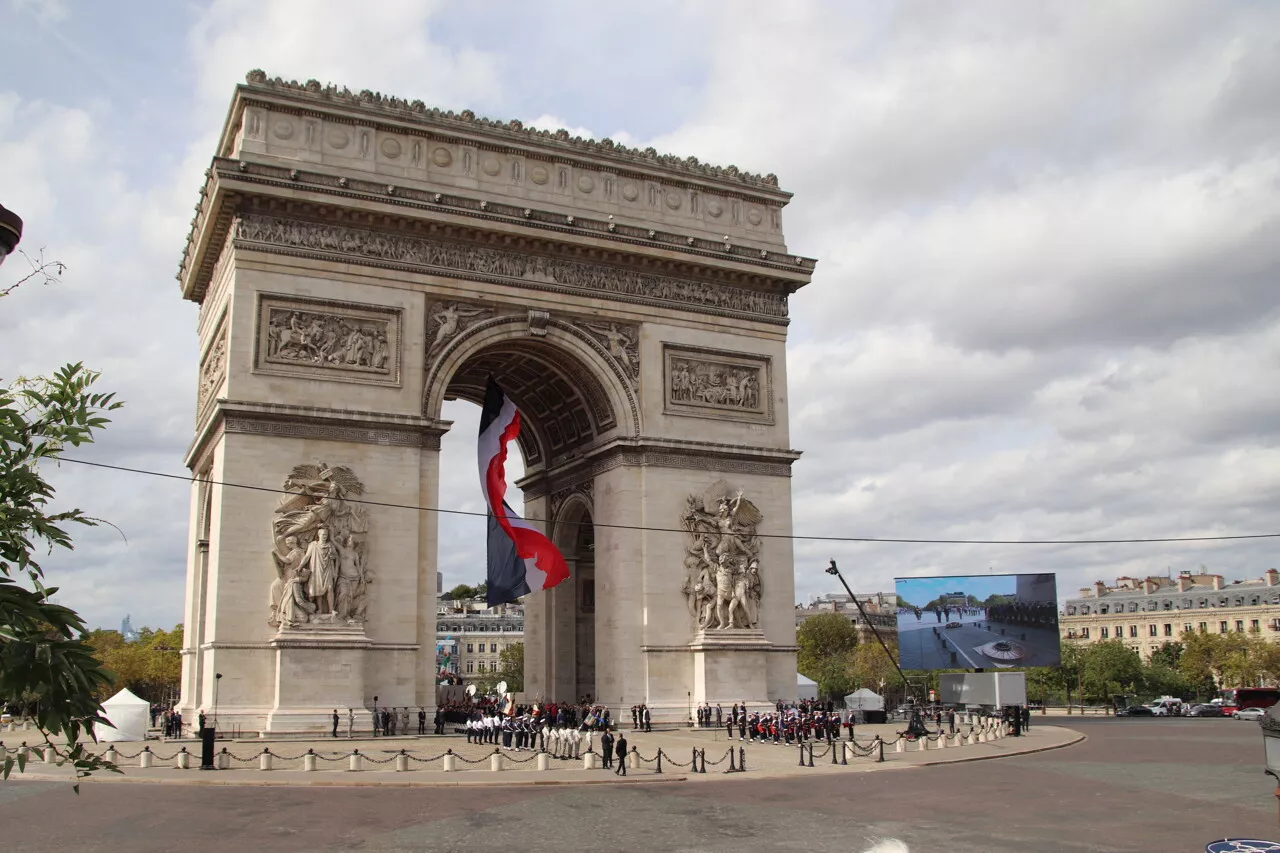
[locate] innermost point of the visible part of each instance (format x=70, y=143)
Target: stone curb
x=963, y=759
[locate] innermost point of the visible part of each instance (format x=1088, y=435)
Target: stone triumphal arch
x=357, y=261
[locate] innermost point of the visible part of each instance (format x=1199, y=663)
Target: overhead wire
x=645, y=528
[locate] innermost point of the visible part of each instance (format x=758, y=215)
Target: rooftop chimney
x=1217, y=581
x=1273, y=577
x=1184, y=582
x=1099, y=589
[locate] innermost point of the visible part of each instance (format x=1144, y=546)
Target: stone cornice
x=312, y=422
x=663, y=453
x=227, y=180
x=467, y=125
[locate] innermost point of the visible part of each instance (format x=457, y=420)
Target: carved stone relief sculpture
x=622, y=343
x=320, y=542
x=329, y=340
x=446, y=319
x=213, y=369
x=716, y=384
x=722, y=559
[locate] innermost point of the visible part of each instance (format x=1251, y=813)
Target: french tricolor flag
x=521, y=560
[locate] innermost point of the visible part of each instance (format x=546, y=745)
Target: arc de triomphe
x=360, y=259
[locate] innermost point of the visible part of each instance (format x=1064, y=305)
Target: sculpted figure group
x=722, y=559
x=327, y=340
x=319, y=554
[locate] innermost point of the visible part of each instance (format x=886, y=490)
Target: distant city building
x=1148, y=613
x=470, y=636
x=881, y=609
x=127, y=631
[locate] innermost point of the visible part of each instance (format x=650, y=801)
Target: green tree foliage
x=43, y=654
x=1109, y=668
x=826, y=643
x=463, y=592
x=150, y=666
x=511, y=667
x=871, y=668
x=1167, y=655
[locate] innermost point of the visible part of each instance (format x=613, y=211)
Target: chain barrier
x=675, y=763
x=369, y=758
x=160, y=757
x=466, y=760
x=122, y=754
x=235, y=757
x=521, y=760
x=286, y=757
x=337, y=756
x=714, y=763
x=428, y=760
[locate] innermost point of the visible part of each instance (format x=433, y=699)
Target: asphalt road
x=1134, y=785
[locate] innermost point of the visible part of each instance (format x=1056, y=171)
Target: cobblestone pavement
x=1133, y=785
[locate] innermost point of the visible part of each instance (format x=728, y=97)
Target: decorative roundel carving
x=539, y=175
x=441, y=157
x=715, y=208
x=338, y=138
x=283, y=129
x=586, y=183
x=754, y=216
x=631, y=192
x=390, y=148
x=673, y=200
x=491, y=166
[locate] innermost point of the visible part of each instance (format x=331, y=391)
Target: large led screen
x=978, y=622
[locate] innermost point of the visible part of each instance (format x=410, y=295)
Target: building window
x=1253, y=625
x=1222, y=627
x=1151, y=630
x=1133, y=630
x=471, y=647
x=469, y=665
x=1133, y=607
x=482, y=666
x=1103, y=610
x=1168, y=605
x=1071, y=611
x=493, y=647
x=1239, y=601
x=1254, y=601
x=1084, y=633
x=1186, y=627
x=1084, y=610
x=1071, y=633
x=1102, y=632
x=1119, y=631
x=1204, y=626
x=1168, y=630
x=1240, y=625
x=1186, y=604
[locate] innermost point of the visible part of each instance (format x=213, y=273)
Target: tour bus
x=1248, y=697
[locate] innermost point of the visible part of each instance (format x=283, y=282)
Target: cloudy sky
x=1046, y=307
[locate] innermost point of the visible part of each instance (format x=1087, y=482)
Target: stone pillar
x=354, y=763
x=495, y=762
x=264, y=760
x=544, y=761
x=182, y=760
x=144, y=760
x=450, y=763
x=309, y=762
x=402, y=762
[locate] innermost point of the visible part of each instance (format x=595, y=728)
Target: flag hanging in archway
x=520, y=559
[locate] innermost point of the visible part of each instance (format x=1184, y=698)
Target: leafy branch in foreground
x=43, y=655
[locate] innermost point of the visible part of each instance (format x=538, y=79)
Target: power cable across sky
x=799, y=537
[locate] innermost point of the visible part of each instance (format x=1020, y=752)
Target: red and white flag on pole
x=520, y=559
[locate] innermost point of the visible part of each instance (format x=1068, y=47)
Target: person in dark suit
x=422, y=721
x=335, y=722
x=606, y=748
x=621, y=747
x=648, y=721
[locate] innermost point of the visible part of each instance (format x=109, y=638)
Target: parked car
x=1254, y=714
x=1205, y=711
x=1135, y=711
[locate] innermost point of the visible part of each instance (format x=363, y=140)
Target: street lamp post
x=217, y=679
x=1270, y=724
x=10, y=231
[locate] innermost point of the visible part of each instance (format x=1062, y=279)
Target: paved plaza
x=1132, y=785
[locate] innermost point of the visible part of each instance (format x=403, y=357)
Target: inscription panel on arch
x=717, y=384
x=326, y=339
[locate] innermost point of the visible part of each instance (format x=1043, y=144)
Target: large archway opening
x=565, y=410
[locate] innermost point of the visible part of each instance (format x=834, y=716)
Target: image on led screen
x=978, y=622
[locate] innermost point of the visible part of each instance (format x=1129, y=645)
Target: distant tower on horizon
x=127, y=631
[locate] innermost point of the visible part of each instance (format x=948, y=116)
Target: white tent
x=806, y=688
x=128, y=714
x=864, y=700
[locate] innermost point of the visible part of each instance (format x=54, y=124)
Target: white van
x=1166, y=706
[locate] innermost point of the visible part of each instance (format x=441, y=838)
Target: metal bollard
x=182, y=760
x=733, y=767
x=224, y=759
x=833, y=753
x=659, y=770
x=811, y=755
x=544, y=761
x=264, y=760
x=495, y=761
x=880, y=749
x=801, y=754
x=844, y=755
x=402, y=762
x=742, y=760
x=354, y=764
x=450, y=762
x=309, y=761
x=144, y=760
